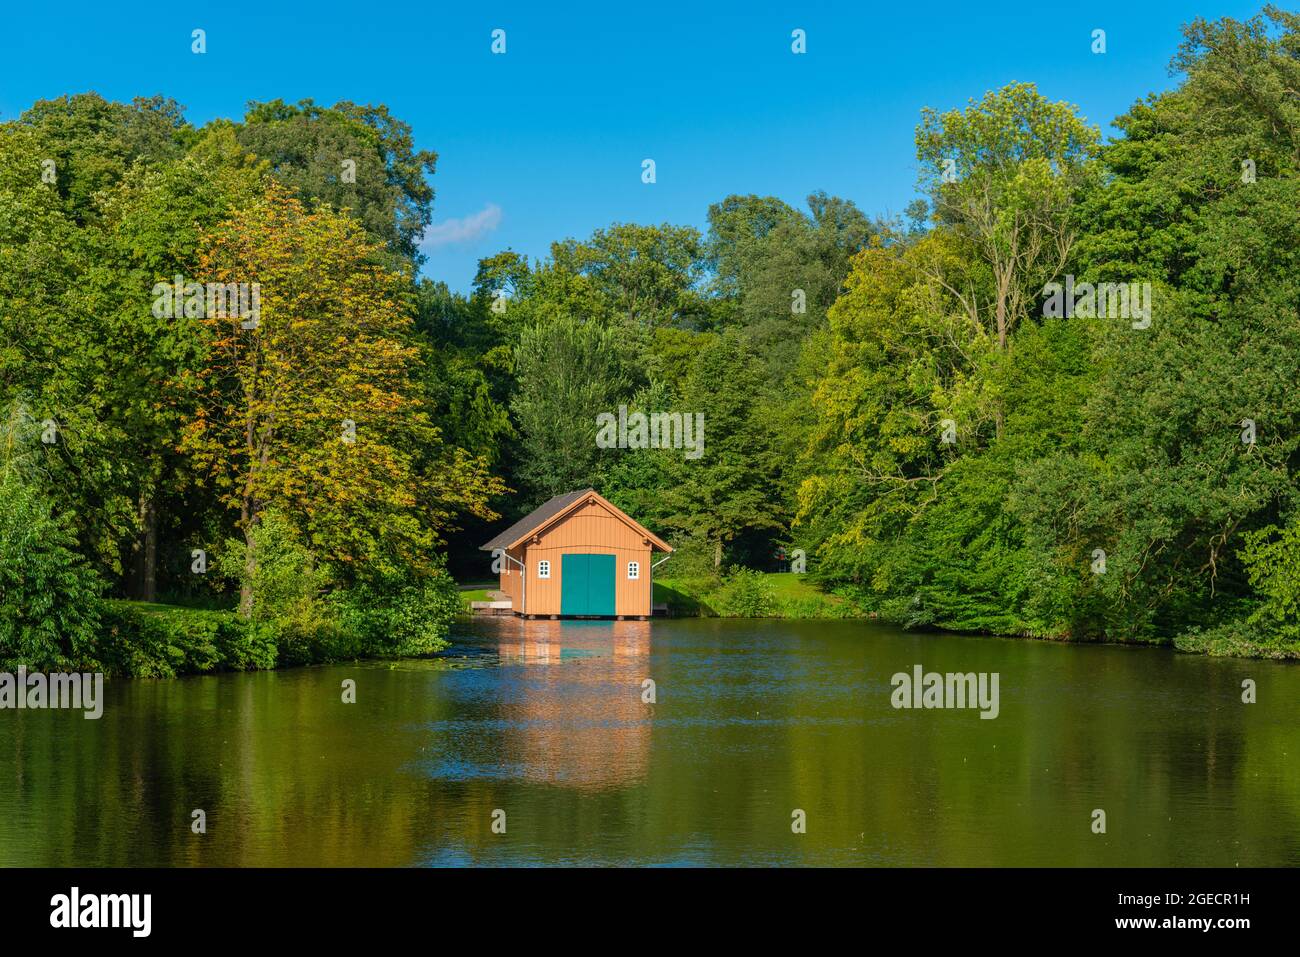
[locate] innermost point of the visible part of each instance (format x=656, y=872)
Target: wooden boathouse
x=578, y=555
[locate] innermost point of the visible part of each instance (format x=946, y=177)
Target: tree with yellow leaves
x=308, y=400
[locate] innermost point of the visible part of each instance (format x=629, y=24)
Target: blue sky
x=546, y=141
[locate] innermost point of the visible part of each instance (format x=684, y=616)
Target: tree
x=92, y=142
x=569, y=371
x=52, y=352
x=49, y=596
x=784, y=268
x=311, y=405
x=1189, y=438
x=648, y=273
x=120, y=210
x=739, y=227
x=729, y=489
x=901, y=359
x=357, y=157
x=147, y=232
x=1005, y=173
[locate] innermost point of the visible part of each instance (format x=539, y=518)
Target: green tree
x=49, y=596
x=93, y=142
x=361, y=158
x=147, y=232
x=649, y=274
x=730, y=488
x=1189, y=438
x=313, y=408
x=1005, y=173
x=569, y=372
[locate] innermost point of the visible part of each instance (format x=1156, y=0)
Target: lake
x=541, y=727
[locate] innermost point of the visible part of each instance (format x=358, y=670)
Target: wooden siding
x=590, y=530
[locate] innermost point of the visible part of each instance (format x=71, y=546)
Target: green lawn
x=474, y=591
x=790, y=596
x=789, y=585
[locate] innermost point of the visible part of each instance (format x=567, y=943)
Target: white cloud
x=463, y=230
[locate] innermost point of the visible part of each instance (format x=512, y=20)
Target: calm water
x=545, y=721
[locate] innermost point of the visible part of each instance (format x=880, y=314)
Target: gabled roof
x=538, y=516
x=556, y=508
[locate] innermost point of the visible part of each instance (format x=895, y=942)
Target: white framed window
x=633, y=571
x=543, y=569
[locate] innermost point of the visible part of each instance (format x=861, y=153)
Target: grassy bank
x=156, y=640
x=472, y=592
x=752, y=594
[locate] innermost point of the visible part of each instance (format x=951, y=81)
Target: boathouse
x=578, y=556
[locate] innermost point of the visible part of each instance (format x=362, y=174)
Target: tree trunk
x=149, y=555
x=140, y=554
x=717, y=553
x=250, y=566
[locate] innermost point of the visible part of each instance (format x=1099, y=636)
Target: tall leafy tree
x=313, y=409
x=569, y=372
x=92, y=142
x=148, y=232
x=357, y=157
x=49, y=596
x=1186, y=474
x=730, y=489
x=1005, y=173
x=649, y=274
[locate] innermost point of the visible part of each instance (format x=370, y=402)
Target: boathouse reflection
x=580, y=721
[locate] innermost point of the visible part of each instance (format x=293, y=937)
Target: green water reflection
x=545, y=721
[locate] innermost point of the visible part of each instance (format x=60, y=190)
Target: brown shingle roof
x=538, y=516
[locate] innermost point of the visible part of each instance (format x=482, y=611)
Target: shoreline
x=176, y=641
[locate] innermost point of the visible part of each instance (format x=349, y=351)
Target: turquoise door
x=587, y=585
x=573, y=584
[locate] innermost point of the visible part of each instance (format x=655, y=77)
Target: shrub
x=289, y=609
x=49, y=597
x=401, y=614
x=1237, y=639
x=162, y=641
x=816, y=606
x=687, y=597
x=748, y=594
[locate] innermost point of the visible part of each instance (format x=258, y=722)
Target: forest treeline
x=1055, y=398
